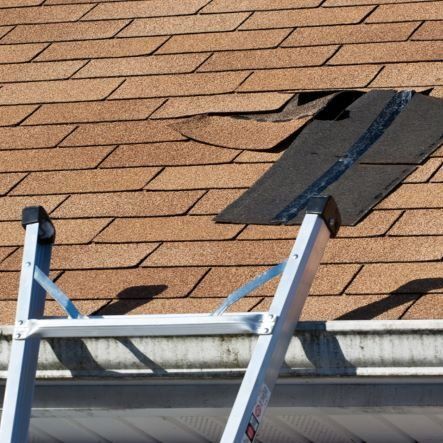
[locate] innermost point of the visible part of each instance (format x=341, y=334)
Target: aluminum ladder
x=274, y=328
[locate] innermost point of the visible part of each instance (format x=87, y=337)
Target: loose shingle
x=306, y=17
x=208, y=176
x=98, y=111
x=225, y=103
x=222, y=41
x=20, y=137
x=183, y=25
x=58, y=91
x=95, y=180
x=101, y=48
x=178, y=85
x=127, y=204
x=364, y=33
x=52, y=32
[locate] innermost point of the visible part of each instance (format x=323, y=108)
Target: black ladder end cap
x=326, y=207
x=38, y=214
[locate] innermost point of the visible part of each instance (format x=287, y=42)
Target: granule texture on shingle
x=432, y=30
x=424, y=172
x=256, y=5
x=8, y=181
x=410, y=74
x=19, y=53
x=138, y=283
x=429, y=195
x=404, y=12
x=94, y=180
x=428, y=306
x=11, y=207
x=215, y=200
x=11, y=115
x=127, y=204
x=419, y=222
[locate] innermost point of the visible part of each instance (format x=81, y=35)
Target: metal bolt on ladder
x=274, y=328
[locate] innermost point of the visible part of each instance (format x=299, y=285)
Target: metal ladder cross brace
x=274, y=328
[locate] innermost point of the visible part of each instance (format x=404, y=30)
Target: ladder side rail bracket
x=321, y=222
x=17, y=403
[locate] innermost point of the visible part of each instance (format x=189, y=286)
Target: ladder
x=274, y=328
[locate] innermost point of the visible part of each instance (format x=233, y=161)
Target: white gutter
x=394, y=348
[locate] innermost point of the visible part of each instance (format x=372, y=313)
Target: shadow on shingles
x=406, y=293
x=131, y=298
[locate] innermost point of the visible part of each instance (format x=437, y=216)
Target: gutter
x=356, y=349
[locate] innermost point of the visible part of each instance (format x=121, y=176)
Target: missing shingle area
x=394, y=146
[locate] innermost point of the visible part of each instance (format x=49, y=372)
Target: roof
x=90, y=94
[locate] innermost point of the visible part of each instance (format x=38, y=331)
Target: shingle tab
x=20, y=137
x=11, y=207
x=8, y=181
x=407, y=12
x=419, y=222
x=11, y=115
x=19, y=53
x=432, y=30
x=256, y=5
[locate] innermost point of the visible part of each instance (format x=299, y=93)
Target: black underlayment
x=357, y=155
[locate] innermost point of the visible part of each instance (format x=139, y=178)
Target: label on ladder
x=257, y=414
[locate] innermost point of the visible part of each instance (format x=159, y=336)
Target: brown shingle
x=101, y=48
x=438, y=177
x=220, y=282
x=222, y=41
x=384, y=249
x=375, y=224
x=215, y=201
x=4, y=252
x=220, y=253
x=183, y=25
x=11, y=115
x=365, y=33
x=11, y=3
x=162, y=154
x=388, y=53
x=407, y=12
x=258, y=156
x=144, y=8
x=424, y=172
x=306, y=17
x=140, y=283
x=412, y=196
x=351, y=308
x=239, y=133
x=419, y=222
x=19, y=53
x=8, y=181
x=429, y=306
x=4, y=30
x=58, y=91
x=109, y=110
x=68, y=231
x=121, y=132
x=310, y=78
x=127, y=204
x=268, y=58
x=94, y=256
x=363, y=2
x=52, y=159
x=11, y=207
x=256, y=5
x=429, y=31
x=167, y=229
x=20, y=137
x=45, y=14
x=409, y=278
x=261, y=232
x=64, y=31
x=96, y=180
x=171, y=306
x=156, y=64
x=177, y=85
x=19, y=72
x=187, y=106
x=208, y=176
x=410, y=74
